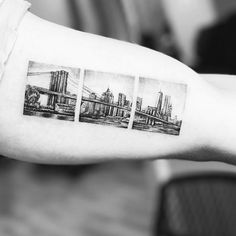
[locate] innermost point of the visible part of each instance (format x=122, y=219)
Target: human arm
x=54, y=141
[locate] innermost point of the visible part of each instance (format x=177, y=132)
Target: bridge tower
x=58, y=83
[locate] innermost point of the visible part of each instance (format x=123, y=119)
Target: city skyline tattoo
x=103, y=98
x=51, y=91
x=107, y=99
x=159, y=106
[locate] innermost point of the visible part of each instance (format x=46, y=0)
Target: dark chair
x=198, y=205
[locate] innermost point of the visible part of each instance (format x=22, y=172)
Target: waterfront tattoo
x=51, y=91
x=107, y=99
x=159, y=106
x=102, y=98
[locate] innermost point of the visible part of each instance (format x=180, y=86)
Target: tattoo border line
x=134, y=94
x=133, y=109
x=79, y=95
x=136, y=88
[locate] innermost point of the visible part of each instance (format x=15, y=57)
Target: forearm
x=49, y=140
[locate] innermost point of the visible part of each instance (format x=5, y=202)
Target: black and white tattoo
x=107, y=99
x=102, y=98
x=51, y=91
x=159, y=106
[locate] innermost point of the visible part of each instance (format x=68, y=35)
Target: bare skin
x=53, y=141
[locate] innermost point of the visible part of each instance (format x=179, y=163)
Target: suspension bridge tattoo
x=51, y=91
x=107, y=99
x=159, y=106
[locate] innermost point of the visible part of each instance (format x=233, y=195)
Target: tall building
x=128, y=103
x=107, y=97
x=91, y=105
x=166, y=104
x=121, y=103
x=159, y=102
x=169, y=111
x=121, y=99
x=139, y=104
x=151, y=110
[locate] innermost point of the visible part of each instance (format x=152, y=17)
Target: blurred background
x=142, y=197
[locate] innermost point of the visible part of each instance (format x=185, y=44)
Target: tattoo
x=51, y=91
x=109, y=99
x=159, y=106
